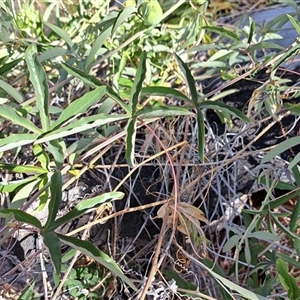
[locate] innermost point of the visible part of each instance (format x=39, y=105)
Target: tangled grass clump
x=147, y=152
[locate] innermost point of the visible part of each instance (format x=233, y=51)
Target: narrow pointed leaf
x=80, y=105
x=94, y=82
x=289, y=260
x=130, y=141
x=280, y=148
x=164, y=92
x=100, y=40
x=64, y=35
x=39, y=81
x=23, y=168
x=17, y=140
x=138, y=83
x=231, y=285
x=56, y=149
x=122, y=17
x=27, y=293
x=232, y=242
x=20, y=216
x=289, y=282
x=11, y=91
x=287, y=55
x=9, y=66
x=52, y=53
x=216, y=105
x=89, y=249
x=162, y=111
x=201, y=134
x=86, y=206
x=56, y=196
x=190, y=81
x=297, y=246
x=263, y=235
x=15, y=185
x=12, y=115
x=52, y=242
x=295, y=23
x=42, y=156
x=81, y=125
x=222, y=31
x=295, y=216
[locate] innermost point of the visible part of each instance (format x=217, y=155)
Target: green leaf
x=94, y=82
x=16, y=140
x=42, y=156
x=164, y=92
x=138, y=84
x=51, y=240
x=179, y=281
x=20, y=216
x=64, y=35
x=27, y=293
x=151, y=12
x=13, y=116
x=283, y=199
x=26, y=169
x=99, y=256
x=80, y=105
x=11, y=91
x=56, y=149
x=283, y=228
x=222, y=31
x=123, y=16
x=289, y=260
x=190, y=81
x=56, y=196
x=264, y=45
x=280, y=148
x=297, y=246
x=287, y=54
x=101, y=39
x=39, y=82
x=294, y=223
x=296, y=173
x=251, y=31
x=9, y=66
x=85, y=206
x=247, y=252
x=52, y=53
x=263, y=235
x=293, y=108
x=22, y=194
x=289, y=283
x=162, y=111
x=216, y=105
x=15, y=185
x=295, y=161
x=201, y=133
x=81, y=125
x=232, y=242
x=231, y=285
x=295, y=23
x=130, y=141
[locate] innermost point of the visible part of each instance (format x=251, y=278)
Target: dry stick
x=155, y=258
x=124, y=211
x=165, y=220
